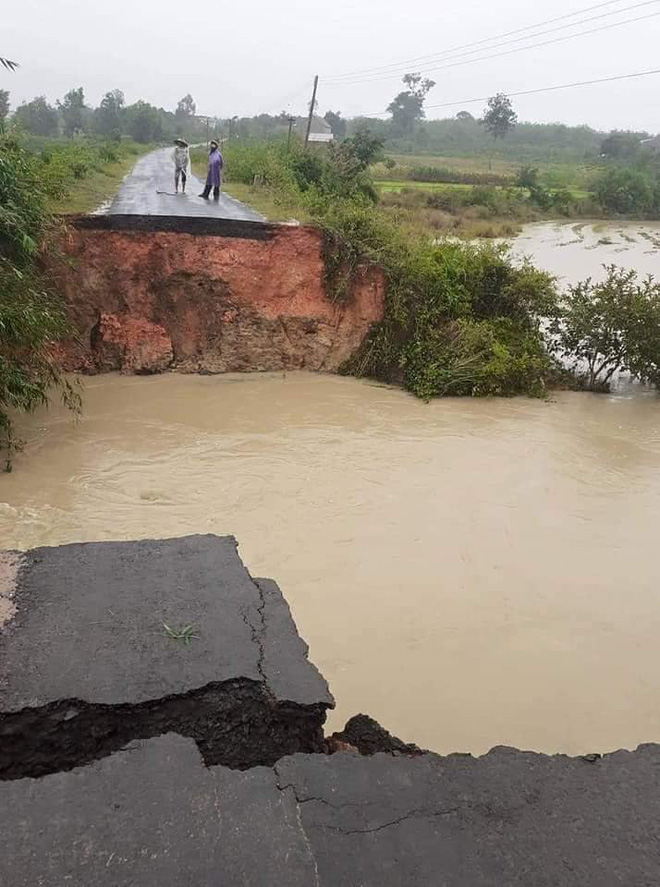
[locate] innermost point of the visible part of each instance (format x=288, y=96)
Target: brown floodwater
x=578, y=250
x=469, y=572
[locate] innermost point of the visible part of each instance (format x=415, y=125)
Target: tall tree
x=37, y=117
x=408, y=106
x=186, y=109
x=499, y=117
x=621, y=145
x=4, y=106
x=107, y=117
x=72, y=108
x=336, y=122
x=144, y=122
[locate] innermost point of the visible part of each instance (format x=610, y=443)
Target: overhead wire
x=525, y=37
x=535, y=91
x=463, y=62
x=451, y=50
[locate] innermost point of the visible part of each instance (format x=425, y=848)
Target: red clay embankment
x=204, y=295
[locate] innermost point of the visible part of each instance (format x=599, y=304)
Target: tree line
x=72, y=116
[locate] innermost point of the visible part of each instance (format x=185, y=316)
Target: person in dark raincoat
x=214, y=173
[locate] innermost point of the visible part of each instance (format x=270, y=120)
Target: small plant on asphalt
x=186, y=633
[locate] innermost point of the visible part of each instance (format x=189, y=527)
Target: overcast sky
x=254, y=56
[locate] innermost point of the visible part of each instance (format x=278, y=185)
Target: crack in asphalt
x=412, y=814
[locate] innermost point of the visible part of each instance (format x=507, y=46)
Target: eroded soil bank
x=151, y=293
x=467, y=572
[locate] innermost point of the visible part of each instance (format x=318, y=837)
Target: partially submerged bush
x=459, y=318
x=610, y=327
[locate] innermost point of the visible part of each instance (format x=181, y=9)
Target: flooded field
x=469, y=572
x=579, y=250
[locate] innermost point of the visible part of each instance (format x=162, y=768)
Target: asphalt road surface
x=149, y=190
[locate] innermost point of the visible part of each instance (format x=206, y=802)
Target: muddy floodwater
x=579, y=250
x=469, y=572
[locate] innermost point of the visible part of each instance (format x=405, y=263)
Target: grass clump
x=186, y=633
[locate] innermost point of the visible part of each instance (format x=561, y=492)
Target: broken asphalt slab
x=90, y=660
x=153, y=814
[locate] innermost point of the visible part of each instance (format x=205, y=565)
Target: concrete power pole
x=311, y=110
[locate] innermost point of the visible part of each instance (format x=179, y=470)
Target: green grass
x=396, y=187
x=186, y=633
x=577, y=177
x=87, y=194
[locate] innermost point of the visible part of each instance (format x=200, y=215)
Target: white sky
x=254, y=56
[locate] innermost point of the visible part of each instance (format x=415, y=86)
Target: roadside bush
x=31, y=318
x=459, y=319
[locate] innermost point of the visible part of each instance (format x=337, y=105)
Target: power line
x=461, y=63
x=435, y=55
x=535, y=91
x=519, y=39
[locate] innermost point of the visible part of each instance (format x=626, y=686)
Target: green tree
x=621, y=145
x=73, y=111
x=622, y=189
x=499, y=118
x=144, y=122
x=185, y=109
x=365, y=146
x=610, y=327
x=336, y=122
x=37, y=117
x=407, y=108
x=107, y=117
x=4, y=106
x=31, y=318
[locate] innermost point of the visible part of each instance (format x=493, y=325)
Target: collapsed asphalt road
x=161, y=724
x=149, y=190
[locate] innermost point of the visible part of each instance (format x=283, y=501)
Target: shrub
x=31, y=318
x=625, y=190
x=608, y=327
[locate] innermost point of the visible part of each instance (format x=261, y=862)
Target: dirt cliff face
x=208, y=296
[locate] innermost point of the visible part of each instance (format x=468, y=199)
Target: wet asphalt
x=149, y=190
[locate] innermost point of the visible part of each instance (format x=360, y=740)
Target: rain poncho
x=181, y=157
x=214, y=174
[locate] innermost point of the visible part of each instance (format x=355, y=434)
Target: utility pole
x=311, y=110
x=291, y=121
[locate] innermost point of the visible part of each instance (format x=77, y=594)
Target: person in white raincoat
x=181, y=161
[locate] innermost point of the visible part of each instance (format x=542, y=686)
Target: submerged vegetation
x=602, y=329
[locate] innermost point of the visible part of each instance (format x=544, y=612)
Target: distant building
x=653, y=143
x=319, y=132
